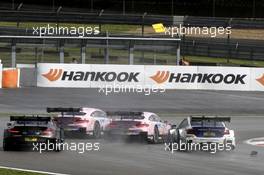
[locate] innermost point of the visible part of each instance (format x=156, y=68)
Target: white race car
x=83, y=121
x=203, y=130
x=147, y=125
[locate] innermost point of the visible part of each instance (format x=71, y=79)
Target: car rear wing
x=62, y=110
x=125, y=114
x=207, y=118
x=30, y=118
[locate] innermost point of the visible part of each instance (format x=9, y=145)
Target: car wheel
x=168, y=138
x=156, y=135
x=178, y=139
x=62, y=135
x=97, y=130
x=6, y=147
x=58, y=145
x=181, y=148
x=232, y=147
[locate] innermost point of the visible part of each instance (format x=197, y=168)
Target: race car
x=81, y=121
x=25, y=131
x=203, y=130
x=147, y=125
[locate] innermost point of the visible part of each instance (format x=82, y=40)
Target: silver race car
x=202, y=134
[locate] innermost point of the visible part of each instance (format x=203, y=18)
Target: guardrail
x=190, y=46
x=224, y=48
x=90, y=18
x=128, y=44
x=130, y=19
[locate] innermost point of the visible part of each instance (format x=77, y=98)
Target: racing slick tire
x=181, y=148
x=97, y=130
x=231, y=146
x=178, y=139
x=170, y=140
x=155, y=138
x=58, y=145
x=167, y=138
x=6, y=147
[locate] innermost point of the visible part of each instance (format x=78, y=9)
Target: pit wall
x=137, y=76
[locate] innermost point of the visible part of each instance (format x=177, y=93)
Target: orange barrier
x=10, y=78
x=1, y=73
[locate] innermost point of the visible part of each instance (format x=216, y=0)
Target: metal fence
x=224, y=48
x=104, y=49
x=123, y=50
x=130, y=19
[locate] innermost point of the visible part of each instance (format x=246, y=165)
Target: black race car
x=27, y=131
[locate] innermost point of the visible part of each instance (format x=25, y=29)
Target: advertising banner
x=64, y=75
x=223, y=78
x=170, y=77
x=257, y=79
x=167, y=77
x=87, y=75
x=117, y=75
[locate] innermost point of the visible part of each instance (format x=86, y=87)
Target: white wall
x=169, y=77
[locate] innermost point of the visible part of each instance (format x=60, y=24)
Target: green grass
x=14, y=172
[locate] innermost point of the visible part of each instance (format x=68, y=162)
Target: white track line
x=256, y=141
x=31, y=171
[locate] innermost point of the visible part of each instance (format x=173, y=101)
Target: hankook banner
x=168, y=77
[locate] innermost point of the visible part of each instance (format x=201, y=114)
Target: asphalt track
x=119, y=157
